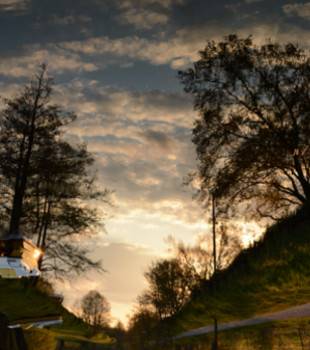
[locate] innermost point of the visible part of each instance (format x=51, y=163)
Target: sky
x=115, y=64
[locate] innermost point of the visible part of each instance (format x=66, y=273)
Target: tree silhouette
x=95, y=309
x=46, y=182
x=170, y=286
x=252, y=134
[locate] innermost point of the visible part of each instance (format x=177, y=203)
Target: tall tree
x=20, y=122
x=46, y=186
x=252, y=133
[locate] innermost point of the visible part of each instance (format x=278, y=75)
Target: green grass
x=40, y=339
x=272, y=275
x=19, y=301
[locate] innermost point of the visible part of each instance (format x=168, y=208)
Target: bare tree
x=199, y=257
x=95, y=309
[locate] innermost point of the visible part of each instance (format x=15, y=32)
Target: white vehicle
x=16, y=268
x=19, y=258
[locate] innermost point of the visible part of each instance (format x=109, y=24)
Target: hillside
x=270, y=276
x=21, y=301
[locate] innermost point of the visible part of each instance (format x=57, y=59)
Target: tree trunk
x=22, y=175
x=215, y=339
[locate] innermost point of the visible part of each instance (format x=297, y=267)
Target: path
x=293, y=312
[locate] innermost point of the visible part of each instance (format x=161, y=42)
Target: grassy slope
x=270, y=276
x=21, y=302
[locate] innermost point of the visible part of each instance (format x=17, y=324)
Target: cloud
x=59, y=61
x=182, y=49
x=158, y=138
x=109, y=106
x=141, y=141
x=146, y=3
x=146, y=14
x=13, y=5
x=174, y=51
x=300, y=10
x=69, y=20
x=142, y=18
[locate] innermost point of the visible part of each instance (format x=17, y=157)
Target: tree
x=46, y=183
x=252, y=134
x=95, y=309
x=169, y=287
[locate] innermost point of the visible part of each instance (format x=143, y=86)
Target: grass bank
x=271, y=275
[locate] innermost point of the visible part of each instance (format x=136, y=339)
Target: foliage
x=46, y=182
x=95, y=309
x=252, y=134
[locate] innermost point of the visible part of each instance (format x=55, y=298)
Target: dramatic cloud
x=183, y=48
x=130, y=132
x=111, y=106
x=301, y=10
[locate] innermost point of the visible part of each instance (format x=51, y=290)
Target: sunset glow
x=115, y=65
